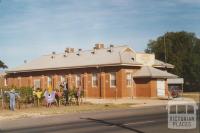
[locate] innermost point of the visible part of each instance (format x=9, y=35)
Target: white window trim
x=62, y=78
x=77, y=79
x=5, y=82
x=96, y=80
x=36, y=80
x=113, y=86
x=49, y=78
x=129, y=85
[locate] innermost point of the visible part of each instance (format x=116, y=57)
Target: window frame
x=129, y=80
x=62, y=78
x=78, y=76
x=34, y=83
x=5, y=82
x=49, y=79
x=93, y=85
x=113, y=86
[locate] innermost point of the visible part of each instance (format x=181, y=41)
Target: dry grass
x=193, y=95
x=43, y=111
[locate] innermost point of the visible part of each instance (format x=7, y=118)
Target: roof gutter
x=61, y=68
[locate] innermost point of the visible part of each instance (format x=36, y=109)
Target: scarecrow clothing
x=38, y=94
x=12, y=96
x=49, y=97
x=65, y=92
x=58, y=95
x=78, y=95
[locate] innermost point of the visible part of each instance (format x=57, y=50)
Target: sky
x=31, y=28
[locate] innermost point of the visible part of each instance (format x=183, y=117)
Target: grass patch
x=43, y=111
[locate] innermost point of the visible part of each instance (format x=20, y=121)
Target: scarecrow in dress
x=50, y=96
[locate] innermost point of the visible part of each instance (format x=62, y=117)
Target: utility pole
x=165, y=50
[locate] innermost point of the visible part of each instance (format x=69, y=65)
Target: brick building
x=112, y=72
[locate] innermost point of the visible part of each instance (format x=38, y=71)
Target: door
x=160, y=87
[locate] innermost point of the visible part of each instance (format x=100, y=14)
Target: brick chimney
x=69, y=50
x=99, y=46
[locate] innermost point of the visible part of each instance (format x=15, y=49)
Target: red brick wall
x=1, y=81
x=140, y=88
x=143, y=88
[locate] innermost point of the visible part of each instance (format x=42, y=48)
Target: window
x=113, y=79
x=49, y=81
x=36, y=84
x=78, y=80
x=129, y=79
x=94, y=80
x=5, y=82
x=62, y=78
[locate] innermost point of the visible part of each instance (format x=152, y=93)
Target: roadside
x=90, y=105
x=44, y=111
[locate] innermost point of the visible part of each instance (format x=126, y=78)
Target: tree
x=183, y=51
x=2, y=65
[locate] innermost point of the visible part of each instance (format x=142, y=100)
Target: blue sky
x=31, y=28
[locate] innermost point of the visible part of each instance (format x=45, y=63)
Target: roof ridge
x=87, y=50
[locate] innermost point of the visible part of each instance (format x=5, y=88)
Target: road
x=135, y=120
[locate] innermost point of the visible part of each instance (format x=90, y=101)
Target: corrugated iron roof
x=151, y=72
x=119, y=55
x=162, y=64
x=101, y=57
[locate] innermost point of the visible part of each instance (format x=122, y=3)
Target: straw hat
x=12, y=90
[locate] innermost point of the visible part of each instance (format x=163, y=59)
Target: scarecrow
x=12, y=94
x=50, y=96
x=38, y=94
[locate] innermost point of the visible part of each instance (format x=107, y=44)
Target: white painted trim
x=113, y=86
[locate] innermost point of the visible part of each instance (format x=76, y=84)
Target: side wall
x=141, y=87
x=102, y=90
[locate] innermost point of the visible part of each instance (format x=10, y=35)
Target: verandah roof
x=151, y=72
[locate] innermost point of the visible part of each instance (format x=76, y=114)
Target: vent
x=111, y=48
x=53, y=55
x=94, y=50
x=65, y=55
x=79, y=52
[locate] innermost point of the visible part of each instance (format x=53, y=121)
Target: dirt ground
x=44, y=111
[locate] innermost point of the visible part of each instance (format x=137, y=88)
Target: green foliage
x=2, y=65
x=25, y=93
x=183, y=51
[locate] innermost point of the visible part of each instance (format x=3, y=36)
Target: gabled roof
x=150, y=72
x=120, y=55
